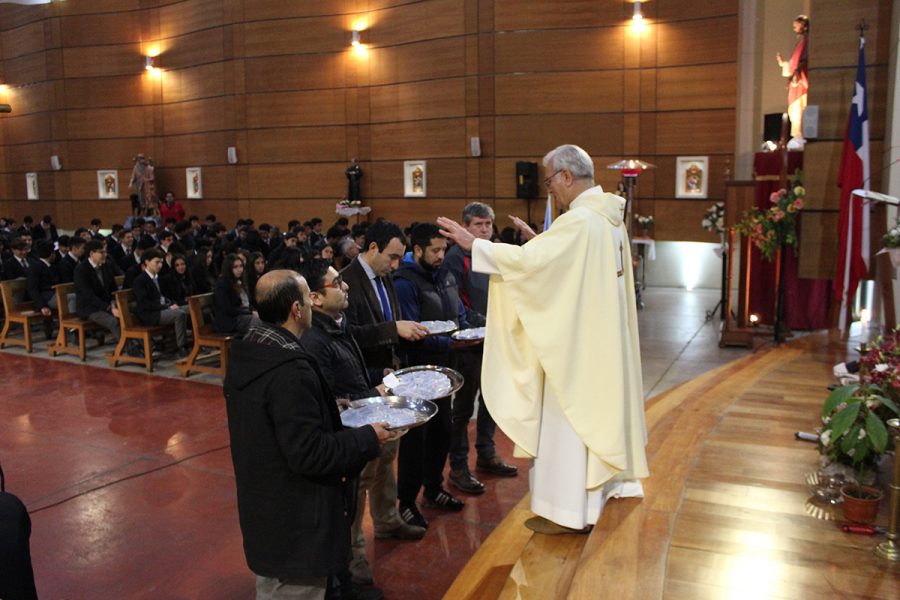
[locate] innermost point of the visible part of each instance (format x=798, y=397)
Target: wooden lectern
x=736, y=330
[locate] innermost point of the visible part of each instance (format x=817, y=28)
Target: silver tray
x=473, y=334
x=439, y=327
x=363, y=412
x=456, y=379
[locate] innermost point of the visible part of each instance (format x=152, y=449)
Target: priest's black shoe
x=443, y=501
x=464, y=481
x=496, y=466
x=411, y=515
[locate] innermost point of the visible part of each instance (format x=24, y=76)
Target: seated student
x=41, y=278
x=137, y=266
x=65, y=268
x=257, y=269
x=231, y=303
x=178, y=284
x=94, y=286
x=202, y=271
x=154, y=308
x=62, y=248
x=122, y=249
x=17, y=265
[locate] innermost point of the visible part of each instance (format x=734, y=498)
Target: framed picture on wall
x=414, y=179
x=107, y=184
x=31, y=186
x=691, y=176
x=194, y=181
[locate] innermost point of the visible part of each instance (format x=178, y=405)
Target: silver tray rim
x=455, y=335
x=398, y=402
x=442, y=332
x=456, y=378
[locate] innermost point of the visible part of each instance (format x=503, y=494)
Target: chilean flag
x=853, y=224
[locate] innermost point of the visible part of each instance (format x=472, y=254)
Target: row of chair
x=208, y=344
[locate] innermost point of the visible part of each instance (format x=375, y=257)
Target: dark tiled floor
x=129, y=480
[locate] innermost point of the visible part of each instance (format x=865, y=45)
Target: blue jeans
x=468, y=363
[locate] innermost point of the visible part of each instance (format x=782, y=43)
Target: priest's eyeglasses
x=549, y=179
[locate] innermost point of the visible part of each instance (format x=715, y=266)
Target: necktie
x=99, y=272
x=382, y=296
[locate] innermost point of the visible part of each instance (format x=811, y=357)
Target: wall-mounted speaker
x=232, y=155
x=526, y=180
x=55, y=164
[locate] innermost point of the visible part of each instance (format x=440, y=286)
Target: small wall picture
x=194, y=180
x=414, y=179
x=31, y=186
x=107, y=184
x=691, y=176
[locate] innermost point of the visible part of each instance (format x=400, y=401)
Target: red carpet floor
x=129, y=483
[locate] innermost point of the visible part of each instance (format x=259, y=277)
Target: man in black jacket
x=152, y=308
x=41, y=277
x=16, y=266
x=428, y=294
x=341, y=361
x=293, y=460
x=65, y=268
x=95, y=283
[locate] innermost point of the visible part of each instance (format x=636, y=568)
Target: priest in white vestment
x=562, y=370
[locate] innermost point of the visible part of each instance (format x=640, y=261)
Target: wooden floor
x=725, y=512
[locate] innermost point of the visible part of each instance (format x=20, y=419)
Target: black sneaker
x=411, y=516
x=443, y=501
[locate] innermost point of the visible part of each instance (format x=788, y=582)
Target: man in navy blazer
x=95, y=283
x=41, y=278
x=152, y=307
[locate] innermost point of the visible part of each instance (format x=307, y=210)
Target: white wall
x=685, y=265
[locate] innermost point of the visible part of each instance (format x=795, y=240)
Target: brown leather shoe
x=548, y=527
x=463, y=480
x=496, y=466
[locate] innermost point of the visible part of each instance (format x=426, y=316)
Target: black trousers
x=423, y=454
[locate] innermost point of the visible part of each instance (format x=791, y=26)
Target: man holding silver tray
x=343, y=367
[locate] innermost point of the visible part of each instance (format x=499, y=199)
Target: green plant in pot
x=854, y=433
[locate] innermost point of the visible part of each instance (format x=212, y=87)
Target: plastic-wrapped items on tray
x=379, y=413
x=427, y=385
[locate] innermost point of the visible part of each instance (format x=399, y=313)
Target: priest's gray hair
x=571, y=158
x=476, y=209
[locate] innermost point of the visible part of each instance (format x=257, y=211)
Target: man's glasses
x=549, y=179
x=336, y=283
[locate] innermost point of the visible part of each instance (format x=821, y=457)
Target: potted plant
x=854, y=433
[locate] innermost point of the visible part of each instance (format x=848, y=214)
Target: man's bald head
x=276, y=294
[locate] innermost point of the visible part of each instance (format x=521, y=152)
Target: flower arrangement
x=646, y=222
x=853, y=428
x=714, y=218
x=879, y=364
x=775, y=227
x=892, y=238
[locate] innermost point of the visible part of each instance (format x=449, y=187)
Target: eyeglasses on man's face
x=336, y=283
x=549, y=179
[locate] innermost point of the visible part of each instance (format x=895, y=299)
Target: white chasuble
x=562, y=373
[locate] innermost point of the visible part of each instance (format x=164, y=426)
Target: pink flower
x=774, y=196
x=777, y=215
x=798, y=203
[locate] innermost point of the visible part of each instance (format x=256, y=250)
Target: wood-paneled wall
x=278, y=80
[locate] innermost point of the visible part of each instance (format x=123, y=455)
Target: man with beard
x=427, y=294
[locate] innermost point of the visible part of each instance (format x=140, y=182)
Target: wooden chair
x=69, y=321
x=17, y=311
x=131, y=329
x=205, y=337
